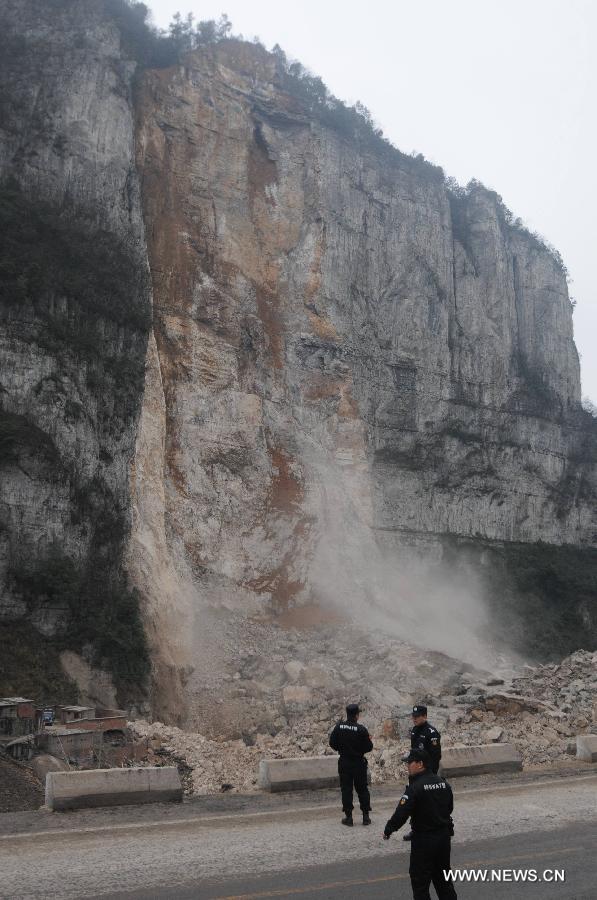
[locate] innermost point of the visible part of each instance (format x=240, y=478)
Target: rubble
x=284, y=704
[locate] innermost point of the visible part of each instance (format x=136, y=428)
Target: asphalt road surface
x=572, y=849
x=303, y=851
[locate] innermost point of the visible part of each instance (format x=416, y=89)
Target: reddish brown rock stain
x=321, y=326
x=308, y=616
x=286, y=490
x=269, y=313
x=322, y=387
x=348, y=407
x=277, y=583
x=186, y=248
x=286, y=495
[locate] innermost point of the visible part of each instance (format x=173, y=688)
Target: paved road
x=280, y=851
x=572, y=849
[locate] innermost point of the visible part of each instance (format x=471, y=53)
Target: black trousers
x=353, y=772
x=429, y=856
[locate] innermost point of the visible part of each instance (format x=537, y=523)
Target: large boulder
x=513, y=704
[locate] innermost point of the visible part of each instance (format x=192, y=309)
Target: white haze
x=499, y=91
x=398, y=591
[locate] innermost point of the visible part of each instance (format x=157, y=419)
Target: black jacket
x=426, y=737
x=351, y=740
x=428, y=800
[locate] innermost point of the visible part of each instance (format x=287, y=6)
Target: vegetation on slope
x=80, y=295
x=459, y=198
x=47, y=252
x=32, y=667
x=97, y=614
x=542, y=599
x=154, y=48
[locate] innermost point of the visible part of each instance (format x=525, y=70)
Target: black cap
x=352, y=709
x=419, y=710
x=417, y=755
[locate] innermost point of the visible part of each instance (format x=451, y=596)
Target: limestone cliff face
x=336, y=340
x=75, y=310
x=346, y=360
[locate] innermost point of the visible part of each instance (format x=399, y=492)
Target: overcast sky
x=500, y=91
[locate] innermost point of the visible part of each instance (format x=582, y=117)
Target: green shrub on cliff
x=81, y=294
x=541, y=598
x=32, y=667
x=50, y=252
x=511, y=225
x=18, y=435
x=153, y=48
x=88, y=292
x=96, y=613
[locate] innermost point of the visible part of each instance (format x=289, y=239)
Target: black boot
x=407, y=837
x=366, y=819
x=347, y=820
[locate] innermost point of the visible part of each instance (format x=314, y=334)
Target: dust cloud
x=406, y=592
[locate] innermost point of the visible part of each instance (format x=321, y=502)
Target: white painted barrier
x=586, y=747
x=480, y=760
x=112, y=787
x=299, y=774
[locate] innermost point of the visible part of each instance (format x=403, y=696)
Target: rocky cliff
x=350, y=367
x=75, y=312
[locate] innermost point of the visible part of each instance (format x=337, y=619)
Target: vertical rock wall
x=342, y=351
x=74, y=315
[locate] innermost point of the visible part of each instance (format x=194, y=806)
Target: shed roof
x=25, y=739
x=13, y=701
x=67, y=732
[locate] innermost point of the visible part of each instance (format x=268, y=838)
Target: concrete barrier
x=586, y=747
x=299, y=774
x=112, y=787
x=479, y=760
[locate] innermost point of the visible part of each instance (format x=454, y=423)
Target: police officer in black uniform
x=351, y=740
x=428, y=800
x=424, y=736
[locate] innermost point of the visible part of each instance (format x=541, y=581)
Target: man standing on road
x=352, y=741
x=424, y=736
x=428, y=800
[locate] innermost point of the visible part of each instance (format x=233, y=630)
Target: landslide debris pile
x=305, y=681
x=569, y=686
